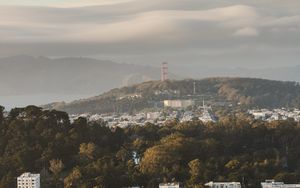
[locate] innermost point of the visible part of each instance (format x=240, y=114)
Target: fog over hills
x=47, y=80
x=21, y=75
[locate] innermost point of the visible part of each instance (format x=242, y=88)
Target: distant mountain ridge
x=290, y=73
x=23, y=75
x=31, y=75
x=251, y=92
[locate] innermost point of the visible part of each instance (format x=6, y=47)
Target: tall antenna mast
x=164, y=71
x=194, y=88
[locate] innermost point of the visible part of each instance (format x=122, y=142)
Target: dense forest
x=90, y=155
x=250, y=92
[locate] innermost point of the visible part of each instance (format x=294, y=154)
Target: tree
x=155, y=159
x=286, y=177
x=163, y=159
x=1, y=113
x=7, y=181
x=196, y=169
x=56, y=166
x=233, y=164
x=72, y=180
x=87, y=149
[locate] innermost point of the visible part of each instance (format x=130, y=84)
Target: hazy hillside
x=27, y=80
x=289, y=73
x=246, y=91
x=21, y=75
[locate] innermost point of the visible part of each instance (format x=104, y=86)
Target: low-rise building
x=274, y=184
x=223, y=184
x=187, y=116
x=171, y=185
x=153, y=115
x=276, y=114
x=28, y=180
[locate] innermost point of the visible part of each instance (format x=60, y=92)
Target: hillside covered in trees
x=89, y=154
x=248, y=92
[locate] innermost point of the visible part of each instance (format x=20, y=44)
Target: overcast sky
x=249, y=33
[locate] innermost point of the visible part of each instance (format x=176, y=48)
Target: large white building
x=178, y=103
x=28, y=180
x=223, y=184
x=274, y=184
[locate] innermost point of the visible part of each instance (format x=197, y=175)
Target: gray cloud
x=157, y=29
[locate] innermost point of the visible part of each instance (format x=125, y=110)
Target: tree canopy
x=89, y=154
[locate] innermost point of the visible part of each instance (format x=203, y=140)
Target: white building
x=274, y=184
x=153, y=115
x=28, y=180
x=223, y=184
x=170, y=185
x=178, y=103
x=206, y=115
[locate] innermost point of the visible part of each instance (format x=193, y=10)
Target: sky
x=195, y=33
x=61, y=3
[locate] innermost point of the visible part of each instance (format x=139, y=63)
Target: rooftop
x=29, y=175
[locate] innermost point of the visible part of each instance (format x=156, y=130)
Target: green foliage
x=233, y=164
x=196, y=169
x=1, y=113
x=87, y=150
x=88, y=154
x=73, y=179
x=56, y=166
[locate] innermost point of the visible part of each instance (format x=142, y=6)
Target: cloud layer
x=141, y=28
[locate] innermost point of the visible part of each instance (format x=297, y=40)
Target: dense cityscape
x=161, y=117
